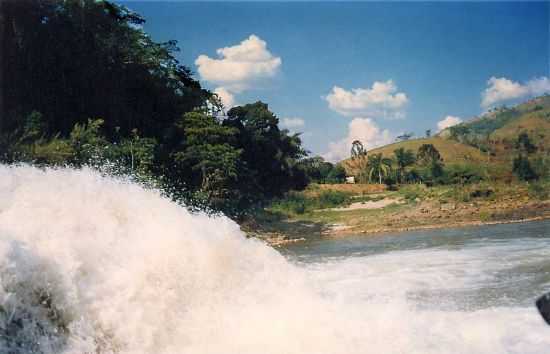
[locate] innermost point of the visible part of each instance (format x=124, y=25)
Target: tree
x=337, y=174
x=403, y=158
x=316, y=168
x=522, y=168
x=459, y=132
x=137, y=153
x=88, y=143
x=75, y=59
x=428, y=133
x=524, y=144
x=412, y=176
x=359, y=160
x=429, y=157
x=357, y=149
x=378, y=166
x=427, y=153
x=207, y=151
x=270, y=156
x=82, y=83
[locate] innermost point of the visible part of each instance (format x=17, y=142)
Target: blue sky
x=412, y=64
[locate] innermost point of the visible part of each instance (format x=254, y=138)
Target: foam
x=93, y=264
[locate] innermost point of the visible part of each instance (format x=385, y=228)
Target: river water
x=464, y=268
x=92, y=264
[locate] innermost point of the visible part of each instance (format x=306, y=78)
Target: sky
x=341, y=71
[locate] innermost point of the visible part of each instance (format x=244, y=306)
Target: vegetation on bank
x=492, y=169
x=83, y=84
x=296, y=203
x=413, y=206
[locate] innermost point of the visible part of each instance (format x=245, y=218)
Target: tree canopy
x=82, y=83
x=378, y=167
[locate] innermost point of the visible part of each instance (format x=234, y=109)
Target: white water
x=95, y=265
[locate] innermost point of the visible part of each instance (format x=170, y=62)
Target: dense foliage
x=299, y=202
x=425, y=166
x=320, y=171
x=83, y=84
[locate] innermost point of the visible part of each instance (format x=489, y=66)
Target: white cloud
x=447, y=122
x=539, y=86
x=502, y=89
x=227, y=98
x=381, y=100
x=292, y=123
x=362, y=129
x=238, y=67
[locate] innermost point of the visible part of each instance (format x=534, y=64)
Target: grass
x=312, y=212
x=481, y=185
x=536, y=124
x=450, y=150
x=539, y=190
x=297, y=203
x=352, y=217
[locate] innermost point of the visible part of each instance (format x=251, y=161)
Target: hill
x=488, y=140
x=483, y=126
x=536, y=124
x=452, y=152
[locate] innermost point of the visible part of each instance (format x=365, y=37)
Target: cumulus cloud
x=362, y=129
x=227, y=98
x=292, y=123
x=381, y=100
x=239, y=67
x=447, y=122
x=502, y=89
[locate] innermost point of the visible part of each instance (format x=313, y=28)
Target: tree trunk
x=379, y=177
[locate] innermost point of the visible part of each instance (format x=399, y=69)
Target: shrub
x=539, y=190
x=484, y=216
x=522, y=169
x=463, y=174
x=461, y=195
x=412, y=176
x=412, y=192
x=299, y=203
x=336, y=175
x=292, y=203
x=331, y=199
x=482, y=192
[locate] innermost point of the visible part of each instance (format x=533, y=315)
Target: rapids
x=94, y=264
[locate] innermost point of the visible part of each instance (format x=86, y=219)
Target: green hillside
x=536, y=124
x=482, y=127
x=489, y=140
x=450, y=150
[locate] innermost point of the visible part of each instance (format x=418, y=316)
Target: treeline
x=427, y=166
x=83, y=84
x=405, y=166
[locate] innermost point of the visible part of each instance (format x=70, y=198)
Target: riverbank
x=410, y=208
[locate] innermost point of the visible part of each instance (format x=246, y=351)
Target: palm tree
x=403, y=158
x=378, y=165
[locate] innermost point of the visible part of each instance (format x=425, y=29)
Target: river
x=93, y=264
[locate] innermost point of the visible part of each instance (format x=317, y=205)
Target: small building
x=350, y=179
